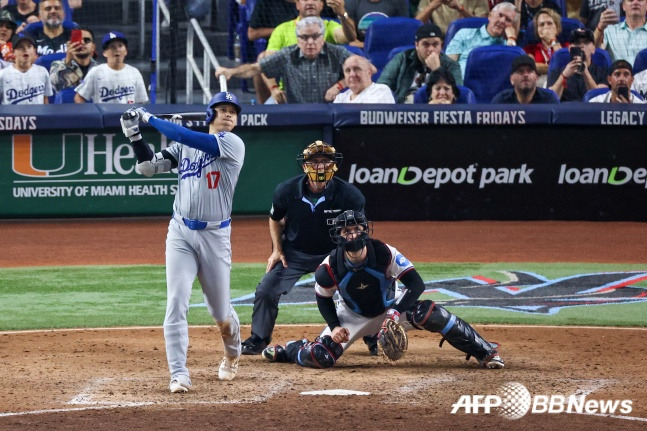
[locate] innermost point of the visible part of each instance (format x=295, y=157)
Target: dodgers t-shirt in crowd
x=105, y=85
x=25, y=88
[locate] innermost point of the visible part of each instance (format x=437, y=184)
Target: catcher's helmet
x=319, y=149
x=219, y=99
x=351, y=218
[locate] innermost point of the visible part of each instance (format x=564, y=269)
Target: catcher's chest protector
x=366, y=291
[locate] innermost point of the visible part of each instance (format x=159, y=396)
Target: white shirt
x=606, y=98
x=105, y=85
x=640, y=82
x=24, y=88
x=374, y=93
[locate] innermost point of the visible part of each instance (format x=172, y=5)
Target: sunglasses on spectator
x=87, y=40
x=307, y=37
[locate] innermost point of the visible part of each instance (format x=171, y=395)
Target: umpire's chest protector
x=366, y=290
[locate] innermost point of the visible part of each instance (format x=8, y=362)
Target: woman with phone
x=548, y=27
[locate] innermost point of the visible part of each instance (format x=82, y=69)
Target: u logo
x=71, y=158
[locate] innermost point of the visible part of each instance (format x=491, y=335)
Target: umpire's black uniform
x=306, y=241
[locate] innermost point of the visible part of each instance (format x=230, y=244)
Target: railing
x=192, y=70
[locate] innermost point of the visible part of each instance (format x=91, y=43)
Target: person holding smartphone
x=580, y=75
x=623, y=39
x=620, y=78
x=78, y=61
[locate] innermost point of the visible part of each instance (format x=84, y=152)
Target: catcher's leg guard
x=434, y=318
x=321, y=353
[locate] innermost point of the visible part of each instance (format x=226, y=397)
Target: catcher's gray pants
x=279, y=281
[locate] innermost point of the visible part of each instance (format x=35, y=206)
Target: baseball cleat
x=228, y=367
x=253, y=345
x=494, y=362
x=275, y=354
x=180, y=384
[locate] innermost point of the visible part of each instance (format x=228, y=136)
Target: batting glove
x=130, y=124
x=144, y=115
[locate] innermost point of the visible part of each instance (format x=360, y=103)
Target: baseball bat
x=223, y=83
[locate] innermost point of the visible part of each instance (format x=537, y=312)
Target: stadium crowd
x=458, y=47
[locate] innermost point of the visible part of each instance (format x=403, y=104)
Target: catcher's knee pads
x=321, y=353
x=434, y=318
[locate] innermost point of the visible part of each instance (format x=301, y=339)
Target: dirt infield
x=117, y=379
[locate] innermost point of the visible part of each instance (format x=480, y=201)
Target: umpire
x=302, y=210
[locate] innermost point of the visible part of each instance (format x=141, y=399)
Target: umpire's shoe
x=254, y=345
x=371, y=342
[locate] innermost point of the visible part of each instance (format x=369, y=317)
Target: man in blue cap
x=115, y=81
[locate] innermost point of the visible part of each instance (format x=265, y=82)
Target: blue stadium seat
x=562, y=57
x=568, y=25
x=66, y=95
x=385, y=34
x=46, y=60
x=398, y=49
x=466, y=95
x=640, y=63
x=487, y=71
x=460, y=24
x=597, y=91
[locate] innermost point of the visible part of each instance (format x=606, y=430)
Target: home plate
x=342, y=392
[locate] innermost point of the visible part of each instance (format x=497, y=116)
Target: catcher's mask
x=351, y=218
x=319, y=172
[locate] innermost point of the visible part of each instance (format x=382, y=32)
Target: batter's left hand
x=130, y=123
x=144, y=115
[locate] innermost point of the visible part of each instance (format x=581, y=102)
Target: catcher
x=364, y=272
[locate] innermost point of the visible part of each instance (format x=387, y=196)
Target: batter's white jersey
x=206, y=183
x=105, y=85
x=374, y=93
x=25, y=88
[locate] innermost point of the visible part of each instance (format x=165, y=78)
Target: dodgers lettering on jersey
x=24, y=88
x=15, y=96
x=120, y=92
x=188, y=168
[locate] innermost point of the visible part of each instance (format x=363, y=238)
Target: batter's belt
x=201, y=225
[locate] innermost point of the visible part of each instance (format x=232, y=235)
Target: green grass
x=104, y=296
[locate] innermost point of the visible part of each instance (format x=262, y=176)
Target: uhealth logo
x=513, y=401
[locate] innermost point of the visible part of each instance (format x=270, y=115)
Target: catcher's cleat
x=180, y=384
x=254, y=345
x=228, y=368
x=275, y=353
x=495, y=362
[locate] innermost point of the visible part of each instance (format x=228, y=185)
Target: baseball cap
x=21, y=37
x=429, y=30
x=620, y=64
x=6, y=16
x=522, y=60
x=582, y=33
x=113, y=35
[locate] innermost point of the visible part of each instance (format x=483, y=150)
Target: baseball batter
x=198, y=240
x=364, y=272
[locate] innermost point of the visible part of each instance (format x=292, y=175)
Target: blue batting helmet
x=220, y=98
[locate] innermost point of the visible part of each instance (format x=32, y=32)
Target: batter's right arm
x=276, y=232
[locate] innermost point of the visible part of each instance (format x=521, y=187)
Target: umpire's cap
x=219, y=99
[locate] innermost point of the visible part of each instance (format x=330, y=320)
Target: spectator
x=580, y=75
x=78, y=61
x=115, y=81
x=623, y=40
x=24, y=12
x=590, y=12
x=443, y=12
x=548, y=26
x=364, y=12
x=297, y=65
x=361, y=88
x=24, y=83
x=7, y=30
x=529, y=8
x=407, y=71
x=268, y=14
x=499, y=30
x=284, y=35
x=52, y=37
x=620, y=78
x=441, y=88
x=523, y=77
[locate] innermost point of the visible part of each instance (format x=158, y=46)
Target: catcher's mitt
x=392, y=340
